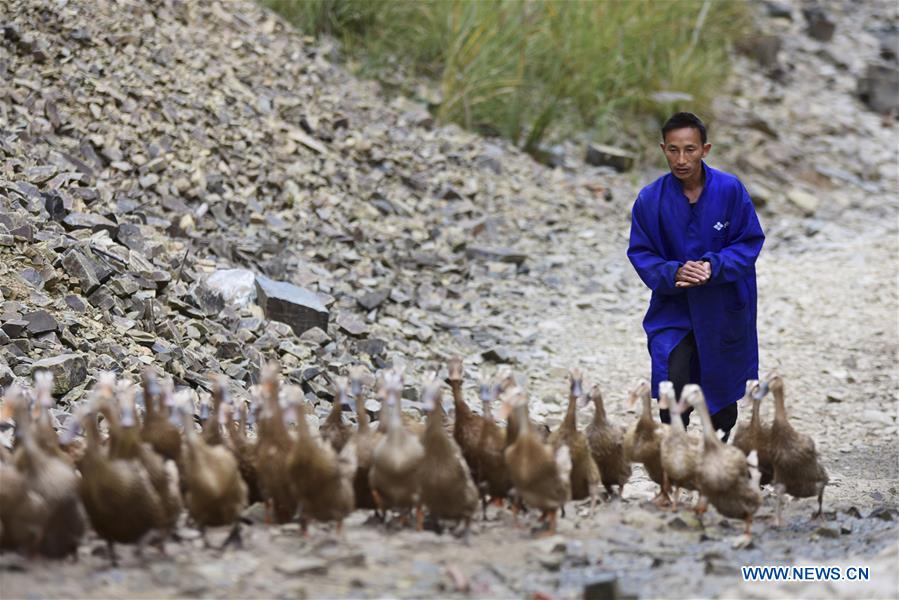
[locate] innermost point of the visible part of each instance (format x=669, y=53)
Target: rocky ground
x=147, y=147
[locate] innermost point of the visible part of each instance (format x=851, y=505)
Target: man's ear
x=705, y=149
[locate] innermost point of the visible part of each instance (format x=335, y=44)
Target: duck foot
x=234, y=537
x=661, y=500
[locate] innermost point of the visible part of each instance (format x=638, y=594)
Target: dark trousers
x=683, y=368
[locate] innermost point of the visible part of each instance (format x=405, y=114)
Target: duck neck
x=755, y=419
x=708, y=429
x=361, y=415
x=780, y=411
x=458, y=401
x=92, y=434
x=599, y=415
x=646, y=415
x=570, y=421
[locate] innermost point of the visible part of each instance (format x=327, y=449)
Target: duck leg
x=110, y=550
x=702, y=505
x=661, y=499
x=674, y=497
x=593, y=492
x=233, y=537
x=820, y=514
x=419, y=518
x=778, y=515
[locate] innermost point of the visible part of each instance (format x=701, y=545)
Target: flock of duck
x=132, y=486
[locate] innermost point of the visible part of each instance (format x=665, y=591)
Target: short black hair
x=684, y=119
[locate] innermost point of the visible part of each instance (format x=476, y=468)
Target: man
x=694, y=241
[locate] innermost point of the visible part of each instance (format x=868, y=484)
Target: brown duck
x=274, y=444
x=541, y=476
x=797, y=466
x=584, y=472
x=757, y=436
x=607, y=446
x=53, y=480
x=121, y=501
x=447, y=489
x=395, y=471
x=643, y=440
x=680, y=454
x=724, y=475
x=468, y=426
x=322, y=478
x=365, y=439
x=334, y=430
x=216, y=493
x=158, y=428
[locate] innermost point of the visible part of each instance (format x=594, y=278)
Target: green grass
x=538, y=70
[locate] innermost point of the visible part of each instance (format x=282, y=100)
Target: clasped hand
x=692, y=273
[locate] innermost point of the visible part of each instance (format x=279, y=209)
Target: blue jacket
x=721, y=227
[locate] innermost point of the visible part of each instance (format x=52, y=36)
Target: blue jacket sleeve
x=737, y=258
x=656, y=272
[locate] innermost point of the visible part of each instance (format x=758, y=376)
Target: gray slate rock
x=82, y=269
x=291, y=304
x=505, y=255
x=879, y=88
x=40, y=321
x=820, y=25
x=69, y=370
x=608, y=156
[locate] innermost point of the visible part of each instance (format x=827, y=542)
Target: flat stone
x=92, y=221
x=302, y=566
x=291, y=304
x=499, y=354
x=602, y=587
x=83, y=269
x=352, y=325
x=69, y=370
x=40, y=321
x=15, y=328
x=372, y=300
x=316, y=335
x=763, y=48
x=879, y=88
x=608, y=156
x=820, y=25
x=504, y=255
x=805, y=202
x=372, y=347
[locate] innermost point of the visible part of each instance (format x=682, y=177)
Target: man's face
x=684, y=152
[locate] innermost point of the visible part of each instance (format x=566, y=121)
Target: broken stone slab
x=504, y=255
x=763, y=48
x=820, y=25
x=302, y=566
x=600, y=155
x=235, y=287
x=83, y=269
x=15, y=328
x=499, y=354
x=805, y=202
x=352, y=325
x=298, y=307
x=879, y=88
x=40, y=321
x=372, y=300
x=92, y=221
x=602, y=587
x=68, y=370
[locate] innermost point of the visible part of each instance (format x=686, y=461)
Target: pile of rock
x=194, y=186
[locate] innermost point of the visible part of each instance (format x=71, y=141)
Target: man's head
x=685, y=144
